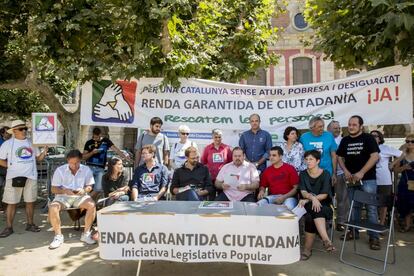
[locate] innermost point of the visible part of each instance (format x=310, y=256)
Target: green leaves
x=363, y=33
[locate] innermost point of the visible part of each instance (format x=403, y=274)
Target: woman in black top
x=315, y=188
x=114, y=183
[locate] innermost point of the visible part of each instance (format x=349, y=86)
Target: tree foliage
x=21, y=103
x=50, y=46
x=354, y=33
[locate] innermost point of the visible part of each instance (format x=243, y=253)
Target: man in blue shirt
x=322, y=141
x=256, y=143
x=151, y=178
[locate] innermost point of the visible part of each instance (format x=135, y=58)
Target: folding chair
x=379, y=201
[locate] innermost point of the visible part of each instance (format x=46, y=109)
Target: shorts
x=12, y=195
x=71, y=201
x=384, y=189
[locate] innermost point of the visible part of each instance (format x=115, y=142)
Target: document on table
x=216, y=205
x=299, y=211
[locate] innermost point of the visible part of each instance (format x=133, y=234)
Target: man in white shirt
x=70, y=184
x=19, y=156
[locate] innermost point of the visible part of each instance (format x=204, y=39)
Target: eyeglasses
x=184, y=133
x=409, y=141
x=21, y=129
x=217, y=137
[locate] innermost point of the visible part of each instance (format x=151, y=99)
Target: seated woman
x=315, y=188
x=114, y=183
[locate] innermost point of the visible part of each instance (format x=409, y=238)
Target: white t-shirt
x=383, y=172
x=178, y=152
x=63, y=177
x=339, y=170
x=21, y=158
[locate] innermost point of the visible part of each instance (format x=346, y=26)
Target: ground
x=26, y=253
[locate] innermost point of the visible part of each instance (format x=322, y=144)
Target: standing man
x=238, y=179
x=20, y=156
x=70, y=184
x=151, y=178
x=282, y=181
x=322, y=141
x=191, y=182
x=153, y=137
x=358, y=153
x=340, y=186
x=256, y=143
x=94, y=153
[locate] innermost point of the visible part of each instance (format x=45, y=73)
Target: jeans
x=189, y=195
x=290, y=202
x=98, y=172
x=369, y=186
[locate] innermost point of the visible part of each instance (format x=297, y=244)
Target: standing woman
x=114, y=182
x=383, y=173
x=293, y=150
x=315, y=188
x=405, y=194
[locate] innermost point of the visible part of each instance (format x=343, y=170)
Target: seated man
x=238, y=179
x=281, y=179
x=70, y=184
x=151, y=178
x=192, y=181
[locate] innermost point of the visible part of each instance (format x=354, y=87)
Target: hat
x=16, y=124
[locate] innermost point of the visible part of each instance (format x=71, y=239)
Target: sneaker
x=57, y=241
x=87, y=238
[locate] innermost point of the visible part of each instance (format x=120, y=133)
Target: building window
x=352, y=72
x=299, y=22
x=302, y=70
x=259, y=78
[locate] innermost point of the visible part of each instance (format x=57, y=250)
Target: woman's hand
x=303, y=202
x=316, y=205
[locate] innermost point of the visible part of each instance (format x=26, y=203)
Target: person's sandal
x=328, y=246
x=32, y=228
x=6, y=232
x=304, y=256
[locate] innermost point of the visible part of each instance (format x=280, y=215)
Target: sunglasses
x=21, y=128
x=409, y=141
x=184, y=133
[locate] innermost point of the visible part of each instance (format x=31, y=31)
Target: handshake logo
x=113, y=102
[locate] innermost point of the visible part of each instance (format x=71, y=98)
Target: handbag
x=410, y=183
x=19, y=182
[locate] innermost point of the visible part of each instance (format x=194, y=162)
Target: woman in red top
x=216, y=154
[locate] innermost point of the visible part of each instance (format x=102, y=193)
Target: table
x=181, y=231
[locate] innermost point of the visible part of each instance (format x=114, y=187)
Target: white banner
x=382, y=96
x=199, y=238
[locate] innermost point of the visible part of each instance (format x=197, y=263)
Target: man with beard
x=153, y=136
x=238, y=179
x=359, y=153
x=192, y=181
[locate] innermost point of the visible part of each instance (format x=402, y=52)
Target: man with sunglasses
x=20, y=156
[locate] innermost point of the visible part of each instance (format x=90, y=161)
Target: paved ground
x=26, y=253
